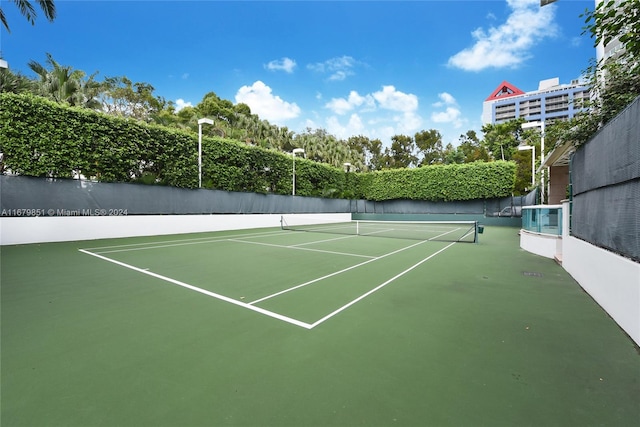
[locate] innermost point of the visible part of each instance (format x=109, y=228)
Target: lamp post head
x=297, y=151
x=529, y=125
x=205, y=121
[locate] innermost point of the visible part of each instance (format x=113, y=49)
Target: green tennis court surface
x=275, y=327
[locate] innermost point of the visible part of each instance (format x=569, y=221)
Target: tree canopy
x=29, y=11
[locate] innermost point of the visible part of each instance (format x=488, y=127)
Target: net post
x=357, y=228
x=475, y=232
x=281, y=222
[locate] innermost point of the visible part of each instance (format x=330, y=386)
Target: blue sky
x=351, y=67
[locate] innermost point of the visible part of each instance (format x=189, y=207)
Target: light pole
x=293, y=154
x=533, y=161
x=540, y=125
x=200, y=123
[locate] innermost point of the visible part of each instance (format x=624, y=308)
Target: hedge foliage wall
x=45, y=139
x=443, y=182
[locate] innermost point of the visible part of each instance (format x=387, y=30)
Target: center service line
x=334, y=274
x=344, y=307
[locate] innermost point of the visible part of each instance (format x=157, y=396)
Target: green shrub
x=477, y=180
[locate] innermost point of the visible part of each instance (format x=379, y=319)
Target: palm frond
x=49, y=8
x=27, y=10
x=4, y=21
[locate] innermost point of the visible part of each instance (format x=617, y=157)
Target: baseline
x=202, y=291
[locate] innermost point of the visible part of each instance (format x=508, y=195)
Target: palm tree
x=29, y=12
x=14, y=83
x=63, y=84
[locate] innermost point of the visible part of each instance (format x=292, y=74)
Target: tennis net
x=444, y=231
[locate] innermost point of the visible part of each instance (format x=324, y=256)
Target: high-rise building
x=552, y=101
x=614, y=48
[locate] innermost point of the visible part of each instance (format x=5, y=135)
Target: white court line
x=201, y=242
x=342, y=271
x=195, y=239
x=250, y=305
x=468, y=234
x=376, y=232
x=335, y=273
x=444, y=234
x=170, y=245
x=203, y=291
x=320, y=227
x=344, y=307
x=299, y=248
x=351, y=236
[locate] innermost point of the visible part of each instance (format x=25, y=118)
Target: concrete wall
x=23, y=230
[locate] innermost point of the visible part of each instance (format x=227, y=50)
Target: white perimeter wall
x=544, y=245
x=612, y=281
x=15, y=231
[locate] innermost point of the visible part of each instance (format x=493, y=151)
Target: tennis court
x=280, y=327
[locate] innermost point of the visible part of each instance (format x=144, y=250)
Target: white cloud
x=285, y=64
x=340, y=75
x=180, y=104
x=448, y=116
x=353, y=127
x=408, y=123
x=342, y=105
x=339, y=67
x=400, y=117
x=309, y=123
x=391, y=99
x=185, y=76
x=445, y=99
x=356, y=125
x=508, y=44
x=576, y=41
x=339, y=105
x=264, y=103
x=451, y=114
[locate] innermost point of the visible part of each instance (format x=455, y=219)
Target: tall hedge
x=442, y=182
x=42, y=138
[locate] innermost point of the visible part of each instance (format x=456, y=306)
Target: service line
x=382, y=285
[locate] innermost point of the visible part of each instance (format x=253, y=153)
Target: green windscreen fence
x=605, y=180
x=31, y=196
